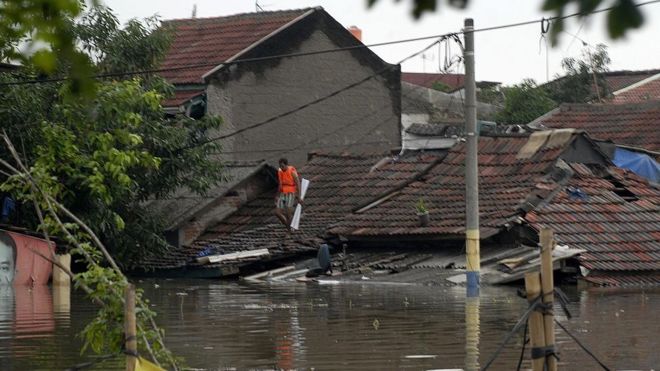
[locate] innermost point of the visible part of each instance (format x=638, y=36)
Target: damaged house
x=627, y=132
x=606, y=219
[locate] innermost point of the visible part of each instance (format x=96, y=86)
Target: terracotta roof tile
x=180, y=97
x=648, y=91
x=340, y=183
x=506, y=184
x=619, y=230
x=634, y=124
x=617, y=80
x=607, y=278
x=208, y=42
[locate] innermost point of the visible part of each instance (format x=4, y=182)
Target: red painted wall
x=31, y=268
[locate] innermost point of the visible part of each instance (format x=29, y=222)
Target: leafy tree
x=584, y=79
x=441, y=86
x=109, y=153
x=623, y=16
x=490, y=95
x=523, y=103
x=44, y=26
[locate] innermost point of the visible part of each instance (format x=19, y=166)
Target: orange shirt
x=286, y=178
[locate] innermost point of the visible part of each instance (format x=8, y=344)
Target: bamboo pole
x=536, y=336
x=130, y=327
x=548, y=285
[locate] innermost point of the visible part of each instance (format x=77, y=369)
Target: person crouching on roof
x=288, y=193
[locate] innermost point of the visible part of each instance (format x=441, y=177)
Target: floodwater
x=357, y=326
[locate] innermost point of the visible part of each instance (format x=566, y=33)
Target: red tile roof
x=649, y=90
x=180, y=97
x=207, y=42
x=617, y=80
x=618, y=279
x=453, y=80
x=340, y=183
x=506, y=185
x=617, y=222
x=634, y=124
x=614, y=80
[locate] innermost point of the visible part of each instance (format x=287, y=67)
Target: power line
x=315, y=101
x=293, y=55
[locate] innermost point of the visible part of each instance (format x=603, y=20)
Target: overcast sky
x=507, y=56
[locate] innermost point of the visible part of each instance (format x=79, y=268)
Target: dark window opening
x=622, y=191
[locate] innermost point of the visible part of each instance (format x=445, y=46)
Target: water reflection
x=219, y=326
x=33, y=311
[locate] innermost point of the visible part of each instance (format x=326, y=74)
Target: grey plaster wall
x=363, y=118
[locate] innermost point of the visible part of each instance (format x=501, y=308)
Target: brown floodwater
x=357, y=326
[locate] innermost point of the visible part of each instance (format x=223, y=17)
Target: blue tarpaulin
x=639, y=163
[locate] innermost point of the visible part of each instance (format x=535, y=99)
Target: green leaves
x=583, y=81
x=623, y=16
x=523, y=103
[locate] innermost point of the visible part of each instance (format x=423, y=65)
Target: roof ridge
x=607, y=106
x=363, y=155
x=631, y=72
x=239, y=15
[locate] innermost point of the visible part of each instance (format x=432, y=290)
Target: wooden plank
x=232, y=256
x=260, y=275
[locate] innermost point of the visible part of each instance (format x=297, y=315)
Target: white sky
x=507, y=56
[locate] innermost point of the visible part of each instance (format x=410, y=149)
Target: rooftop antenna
x=258, y=7
x=194, y=11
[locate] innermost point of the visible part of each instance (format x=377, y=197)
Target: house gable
x=200, y=44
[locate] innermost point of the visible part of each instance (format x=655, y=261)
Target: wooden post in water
x=60, y=277
x=536, y=329
x=62, y=285
x=130, y=333
x=548, y=286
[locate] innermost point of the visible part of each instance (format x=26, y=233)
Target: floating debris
x=421, y=356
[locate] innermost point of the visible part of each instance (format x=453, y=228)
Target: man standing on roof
x=288, y=193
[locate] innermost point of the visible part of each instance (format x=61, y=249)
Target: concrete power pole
x=471, y=166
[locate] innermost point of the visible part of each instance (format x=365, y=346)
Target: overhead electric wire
x=292, y=55
x=311, y=103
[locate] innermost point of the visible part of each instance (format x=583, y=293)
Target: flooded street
x=362, y=326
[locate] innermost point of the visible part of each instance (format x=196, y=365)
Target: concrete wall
x=363, y=118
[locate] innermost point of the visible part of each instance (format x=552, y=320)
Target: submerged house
x=556, y=179
x=606, y=219
x=272, y=107
x=187, y=214
x=340, y=184
x=627, y=132
x=285, y=106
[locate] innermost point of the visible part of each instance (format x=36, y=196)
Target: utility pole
x=471, y=166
